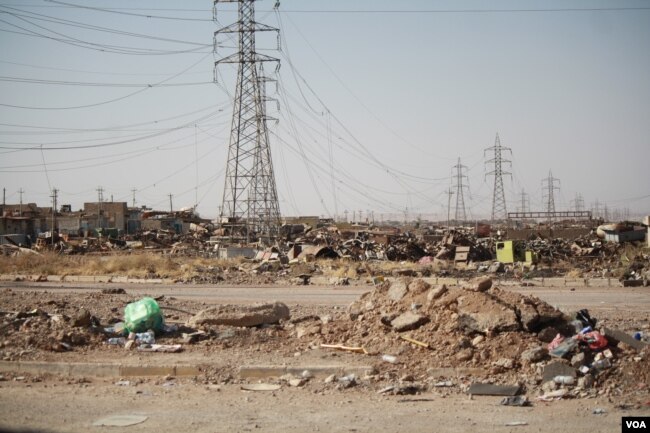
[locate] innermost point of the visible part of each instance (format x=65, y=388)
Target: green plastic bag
x=143, y=315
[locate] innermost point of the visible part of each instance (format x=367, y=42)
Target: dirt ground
x=67, y=325
x=60, y=405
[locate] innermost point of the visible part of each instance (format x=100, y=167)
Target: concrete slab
x=490, y=389
x=557, y=369
x=616, y=336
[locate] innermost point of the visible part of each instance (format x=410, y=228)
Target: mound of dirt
x=477, y=333
x=462, y=327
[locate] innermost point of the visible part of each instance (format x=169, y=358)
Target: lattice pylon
x=250, y=200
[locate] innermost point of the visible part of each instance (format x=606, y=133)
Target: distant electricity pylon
x=548, y=188
x=460, y=214
x=498, y=197
x=525, y=202
x=578, y=203
x=250, y=207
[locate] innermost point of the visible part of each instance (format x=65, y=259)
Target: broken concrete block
x=418, y=286
x=329, y=379
x=578, y=359
x=529, y=316
x=617, y=336
x=241, y=315
x=397, y=290
x=586, y=382
x=495, y=267
x=478, y=340
x=296, y=382
x=436, y=293
x=483, y=285
x=504, y=363
x=557, y=369
x=535, y=354
x=408, y=321
x=547, y=334
x=489, y=389
x=82, y=319
x=465, y=355
x=489, y=316
x=309, y=329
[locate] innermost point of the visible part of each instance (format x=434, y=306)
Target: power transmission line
x=250, y=198
x=549, y=186
x=499, y=210
x=460, y=214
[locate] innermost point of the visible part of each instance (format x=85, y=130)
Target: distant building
x=105, y=215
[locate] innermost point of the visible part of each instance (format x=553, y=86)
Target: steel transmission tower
x=578, y=203
x=460, y=214
x=250, y=206
x=525, y=202
x=498, y=197
x=548, y=188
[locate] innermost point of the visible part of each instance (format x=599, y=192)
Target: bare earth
x=214, y=401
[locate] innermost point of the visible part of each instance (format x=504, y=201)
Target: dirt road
x=178, y=406
x=64, y=404
x=597, y=298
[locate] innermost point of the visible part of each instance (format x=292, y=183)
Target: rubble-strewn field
x=347, y=253
x=435, y=338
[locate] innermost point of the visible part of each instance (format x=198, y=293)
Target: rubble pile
x=494, y=335
x=417, y=337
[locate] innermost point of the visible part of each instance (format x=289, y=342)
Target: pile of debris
x=494, y=336
x=477, y=339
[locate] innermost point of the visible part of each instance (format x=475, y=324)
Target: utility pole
x=171, y=207
x=133, y=190
x=460, y=214
x=4, y=196
x=100, y=205
x=20, y=192
x=346, y=215
x=449, y=194
x=549, y=186
x=498, y=196
x=54, y=199
x=250, y=198
x=525, y=203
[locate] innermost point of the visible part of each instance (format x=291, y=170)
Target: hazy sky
x=376, y=104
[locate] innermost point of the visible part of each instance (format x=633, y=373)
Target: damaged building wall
x=114, y=213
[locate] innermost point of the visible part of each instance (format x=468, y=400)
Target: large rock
x=538, y=315
x=408, y=321
x=481, y=285
x=82, y=319
x=397, y=290
x=241, y=315
x=482, y=313
x=534, y=355
x=436, y=293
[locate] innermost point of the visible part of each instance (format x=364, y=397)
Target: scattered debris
x=519, y=400
x=345, y=348
x=260, y=387
x=120, y=421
